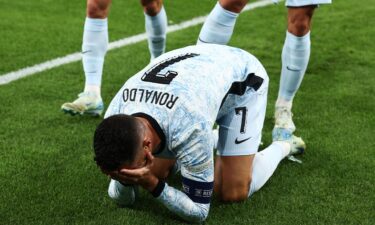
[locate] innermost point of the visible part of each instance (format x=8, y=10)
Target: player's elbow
x=199, y=217
x=122, y=195
x=113, y=194
x=194, y=213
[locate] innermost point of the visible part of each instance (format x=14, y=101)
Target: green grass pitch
x=47, y=172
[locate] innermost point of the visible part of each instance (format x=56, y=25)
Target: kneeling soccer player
x=168, y=110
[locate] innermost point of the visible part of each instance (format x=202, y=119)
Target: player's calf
x=232, y=177
x=234, y=193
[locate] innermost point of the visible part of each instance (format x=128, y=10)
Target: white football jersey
x=181, y=93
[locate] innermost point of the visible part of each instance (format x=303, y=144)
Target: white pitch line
x=15, y=75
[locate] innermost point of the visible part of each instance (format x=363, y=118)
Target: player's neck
x=152, y=134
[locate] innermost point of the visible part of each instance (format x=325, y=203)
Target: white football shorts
x=297, y=3
x=241, y=120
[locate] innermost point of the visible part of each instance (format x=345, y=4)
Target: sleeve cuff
x=158, y=189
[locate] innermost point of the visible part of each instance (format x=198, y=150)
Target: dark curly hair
x=116, y=141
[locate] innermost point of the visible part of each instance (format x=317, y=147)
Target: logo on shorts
x=240, y=141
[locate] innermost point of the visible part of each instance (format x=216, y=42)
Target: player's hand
x=142, y=176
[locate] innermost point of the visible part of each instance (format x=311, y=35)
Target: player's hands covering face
x=142, y=175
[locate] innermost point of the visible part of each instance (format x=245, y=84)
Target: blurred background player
x=218, y=28
x=95, y=44
x=295, y=58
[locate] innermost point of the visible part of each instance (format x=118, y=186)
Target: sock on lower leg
x=295, y=58
x=94, y=48
x=218, y=27
x=281, y=102
x=156, y=29
x=265, y=163
x=93, y=89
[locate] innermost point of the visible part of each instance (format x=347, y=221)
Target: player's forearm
x=179, y=203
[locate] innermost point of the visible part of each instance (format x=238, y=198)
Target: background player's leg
x=295, y=58
x=94, y=48
x=156, y=26
x=95, y=43
x=219, y=25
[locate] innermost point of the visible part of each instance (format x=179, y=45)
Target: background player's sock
x=265, y=163
x=218, y=27
x=95, y=89
x=94, y=48
x=295, y=57
x=281, y=102
x=156, y=29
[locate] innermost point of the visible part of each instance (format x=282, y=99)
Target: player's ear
x=146, y=144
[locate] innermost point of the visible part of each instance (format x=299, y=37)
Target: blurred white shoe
x=86, y=103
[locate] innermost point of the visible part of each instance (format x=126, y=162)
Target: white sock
x=281, y=102
x=265, y=163
x=156, y=29
x=94, y=48
x=295, y=58
x=93, y=89
x=218, y=27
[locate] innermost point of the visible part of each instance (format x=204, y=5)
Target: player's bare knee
x=233, y=5
x=299, y=20
x=299, y=27
x=98, y=8
x=152, y=7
